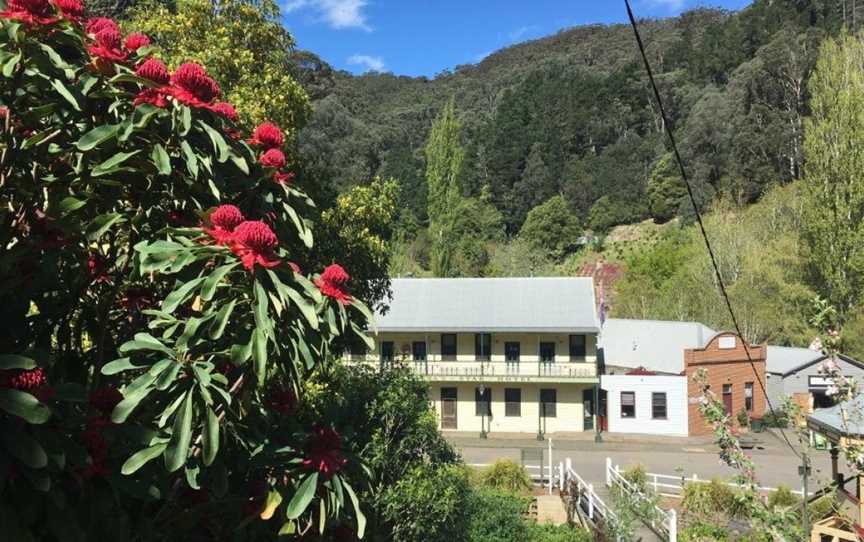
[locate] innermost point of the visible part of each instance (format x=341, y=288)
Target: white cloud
x=371, y=63
x=670, y=5
x=336, y=13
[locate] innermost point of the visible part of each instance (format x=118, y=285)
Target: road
x=775, y=463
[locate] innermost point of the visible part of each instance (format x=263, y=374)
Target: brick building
x=730, y=376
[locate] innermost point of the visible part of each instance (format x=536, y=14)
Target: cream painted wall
x=529, y=345
x=569, y=416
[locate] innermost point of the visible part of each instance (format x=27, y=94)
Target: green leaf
x=112, y=164
x=240, y=162
x=274, y=499
x=144, y=342
x=70, y=204
x=211, y=437
x=101, y=224
x=25, y=448
x=11, y=64
x=185, y=119
x=220, y=148
x=361, y=519
x=306, y=307
x=132, y=395
x=190, y=157
x=259, y=354
x=161, y=159
x=24, y=405
x=240, y=352
x=217, y=328
x=141, y=458
x=63, y=91
x=118, y=366
x=56, y=59
x=302, y=231
x=178, y=296
x=181, y=436
x=262, y=316
x=209, y=287
x=304, y=495
x=97, y=136
x=14, y=361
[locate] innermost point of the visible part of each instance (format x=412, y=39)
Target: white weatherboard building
x=501, y=354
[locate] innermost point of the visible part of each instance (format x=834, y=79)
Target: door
x=448, y=408
x=727, y=399
x=588, y=409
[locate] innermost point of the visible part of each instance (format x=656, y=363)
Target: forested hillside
x=570, y=115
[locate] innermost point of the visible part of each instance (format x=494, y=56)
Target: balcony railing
x=492, y=370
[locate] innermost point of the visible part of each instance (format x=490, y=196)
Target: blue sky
x=424, y=37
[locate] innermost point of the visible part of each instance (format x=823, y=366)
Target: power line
x=699, y=221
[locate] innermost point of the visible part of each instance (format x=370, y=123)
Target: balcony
x=495, y=371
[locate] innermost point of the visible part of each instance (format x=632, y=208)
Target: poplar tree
x=834, y=148
x=444, y=157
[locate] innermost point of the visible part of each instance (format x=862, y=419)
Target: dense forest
x=570, y=115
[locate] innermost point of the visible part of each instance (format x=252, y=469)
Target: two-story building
x=515, y=355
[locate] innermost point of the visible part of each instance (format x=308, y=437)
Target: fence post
x=655, y=483
x=608, y=472
x=562, y=481
x=591, y=502
x=673, y=525
x=568, y=463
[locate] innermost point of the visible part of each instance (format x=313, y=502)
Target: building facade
x=646, y=403
x=796, y=372
x=514, y=355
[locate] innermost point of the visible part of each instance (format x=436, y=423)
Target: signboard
x=820, y=381
x=726, y=343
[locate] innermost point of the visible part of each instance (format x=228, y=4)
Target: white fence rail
x=662, y=522
x=669, y=485
x=583, y=496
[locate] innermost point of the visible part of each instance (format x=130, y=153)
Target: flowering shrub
x=157, y=330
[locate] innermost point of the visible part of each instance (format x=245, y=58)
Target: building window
x=357, y=351
x=658, y=406
x=577, y=347
x=547, y=352
x=727, y=399
x=448, y=346
x=628, y=404
x=482, y=346
x=511, y=351
x=548, y=403
x=387, y=351
x=482, y=402
x=748, y=396
x=418, y=350
x=512, y=402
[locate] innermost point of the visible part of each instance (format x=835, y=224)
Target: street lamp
x=484, y=406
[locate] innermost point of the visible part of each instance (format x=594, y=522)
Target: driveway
x=775, y=463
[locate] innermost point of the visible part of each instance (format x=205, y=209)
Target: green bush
x=557, y=533
x=637, y=476
x=506, y=475
x=708, y=502
x=782, y=497
x=431, y=504
x=703, y=532
x=821, y=508
x=497, y=515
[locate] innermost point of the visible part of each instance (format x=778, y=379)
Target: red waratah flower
x=96, y=446
x=191, y=85
x=98, y=24
x=226, y=110
x=108, y=45
x=96, y=267
x=267, y=135
x=153, y=96
x=31, y=12
x=324, y=452
x=71, y=9
x=153, y=70
x=272, y=158
x=224, y=220
x=283, y=177
x=332, y=283
x=32, y=381
x=104, y=399
x=254, y=243
x=282, y=400
x=135, y=41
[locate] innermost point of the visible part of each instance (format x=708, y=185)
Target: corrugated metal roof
x=657, y=345
x=831, y=419
x=784, y=359
x=491, y=304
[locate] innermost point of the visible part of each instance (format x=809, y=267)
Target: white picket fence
x=669, y=485
x=583, y=494
x=664, y=522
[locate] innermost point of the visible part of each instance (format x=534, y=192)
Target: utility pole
x=804, y=471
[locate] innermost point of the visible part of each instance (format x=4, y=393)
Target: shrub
x=821, y=508
x=637, y=476
x=557, y=533
x=156, y=337
x=704, y=532
x=430, y=504
x=506, y=475
x=711, y=502
x=496, y=515
x=782, y=497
